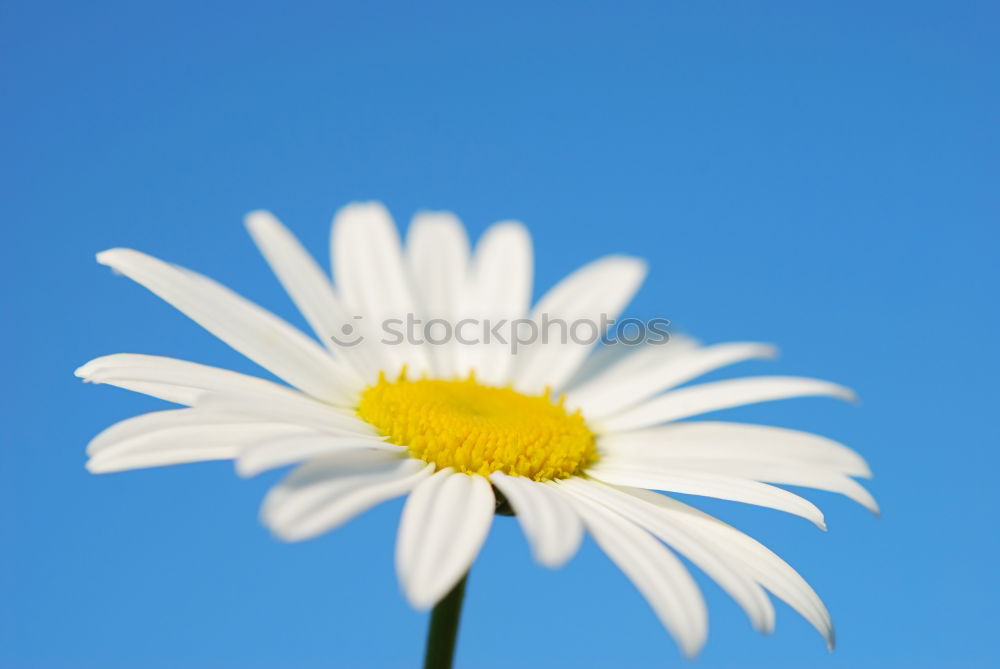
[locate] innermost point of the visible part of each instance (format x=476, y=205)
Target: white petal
x=655, y=571
x=330, y=490
x=553, y=528
x=176, y=380
x=727, y=573
x=211, y=448
x=650, y=474
x=598, y=290
x=177, y=436
x=602, y=400
x=122, y=433
x=708, y=440
x=301, y=411
x=270, y=453
x=766, y=568
x=695, y=400
x=799, y=475
x=372, y=281
x=500, y=292
x=616, y=363
x=220, y=390
x=443, y=526
x=438, y=254
x=256, y=333
x=306, y=283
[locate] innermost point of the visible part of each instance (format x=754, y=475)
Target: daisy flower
x=566, y=441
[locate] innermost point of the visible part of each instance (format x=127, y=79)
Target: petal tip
x=96, y=466
x=417, y=599
x=435, y=218
x=285, y=536
x=279, y=528
x=633, y=263
x=691, y=649
x=110, y=256
x=848, y=395
x=513, y=231
x=259, y=218
x=361, y=209
x=551, y=560
x=244, y=468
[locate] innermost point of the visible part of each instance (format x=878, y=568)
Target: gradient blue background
x=818, y=175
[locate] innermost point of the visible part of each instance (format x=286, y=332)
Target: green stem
x=443, y=631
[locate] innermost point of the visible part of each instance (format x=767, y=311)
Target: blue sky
x=817, y=175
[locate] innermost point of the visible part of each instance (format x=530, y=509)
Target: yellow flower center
x=480, y=429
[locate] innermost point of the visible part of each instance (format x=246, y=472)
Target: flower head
x=460, y=419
